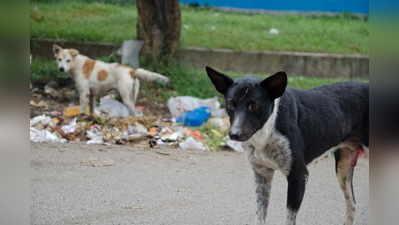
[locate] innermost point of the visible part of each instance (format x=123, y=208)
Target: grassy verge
x=102, y=22
x=184, y=81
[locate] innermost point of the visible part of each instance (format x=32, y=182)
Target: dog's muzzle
x=238, y=136
x=236, y=132
x=234, y=135
x=62, y=69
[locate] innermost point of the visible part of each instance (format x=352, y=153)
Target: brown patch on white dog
x=102, y=75
x=132, y=73
x=88, y=67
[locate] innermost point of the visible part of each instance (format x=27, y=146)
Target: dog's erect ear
x=56, y=49
x=73, y=52
x=219, y=80
x=275, y=85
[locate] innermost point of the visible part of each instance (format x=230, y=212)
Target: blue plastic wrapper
x=195, y=118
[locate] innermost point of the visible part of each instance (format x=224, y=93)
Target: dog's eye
x=252, y=107
x=60, y=59
x=68, y=60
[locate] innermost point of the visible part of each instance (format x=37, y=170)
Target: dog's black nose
x=235, y=136
x=62, y=69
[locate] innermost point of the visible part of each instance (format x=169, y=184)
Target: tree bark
x=159, y=26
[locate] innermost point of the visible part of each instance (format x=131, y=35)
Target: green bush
x=44, y=69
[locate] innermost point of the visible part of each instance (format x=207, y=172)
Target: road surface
x=143, y=187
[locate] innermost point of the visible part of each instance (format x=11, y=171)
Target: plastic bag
x=136, y=132
x=222, y=124
x=137, y=128
x=181, y=104
x=70, y=128
x=113, y=108
x=192, y=144
x=37, y=135
x=43, y=119
x=95, y=135
x=196, y=117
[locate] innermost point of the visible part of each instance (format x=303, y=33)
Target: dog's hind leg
x=126, y=91
x=92, y=101
x=136, y=89
x=345, y=161
x=134, y=92
x=263, y=182
x=84, y=100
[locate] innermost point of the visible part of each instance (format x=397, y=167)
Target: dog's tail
x=150, y=76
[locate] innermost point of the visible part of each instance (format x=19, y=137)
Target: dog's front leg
x=296, y=189
x=84, y=97
x=263, y=183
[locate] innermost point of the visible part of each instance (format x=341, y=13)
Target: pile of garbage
x=195, y=124
x=91, y=129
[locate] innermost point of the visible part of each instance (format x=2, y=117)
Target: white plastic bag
x=113, y=108
x=173, y=137
x=37, y=135
x=222, y=124
x=95, y=135
x=181, y=104
x=191, y=144
x=137, y=128
x=43, y=119
x=70, y=128
x=135, y=132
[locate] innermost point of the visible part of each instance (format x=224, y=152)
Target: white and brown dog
x=93, y=77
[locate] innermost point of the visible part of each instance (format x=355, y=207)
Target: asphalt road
x=135, y=186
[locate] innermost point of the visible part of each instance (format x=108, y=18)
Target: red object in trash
x=140, y=107
x=194, y=133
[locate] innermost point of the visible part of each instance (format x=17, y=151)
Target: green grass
x=85, y=22
x=184, y=81
x=44, y=69
x=101, y=22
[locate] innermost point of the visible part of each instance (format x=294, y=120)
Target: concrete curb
x=294, y=63
x=43, y=48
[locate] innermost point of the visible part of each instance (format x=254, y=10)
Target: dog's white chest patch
x=274, y=153
x=268, y=148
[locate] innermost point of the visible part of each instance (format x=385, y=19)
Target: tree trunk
x=159, y=25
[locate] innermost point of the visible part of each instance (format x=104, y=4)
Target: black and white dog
x=285, y=129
